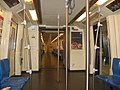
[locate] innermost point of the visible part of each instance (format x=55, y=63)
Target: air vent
x=114, y=6
x=11, y=3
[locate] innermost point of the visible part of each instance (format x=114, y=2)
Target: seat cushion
x=16, y=83
x=114, y=81
x=103, y=78
x=116, y=66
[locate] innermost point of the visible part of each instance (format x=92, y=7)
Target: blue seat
x=16, y=83
x=113, y=80
x=103, y=78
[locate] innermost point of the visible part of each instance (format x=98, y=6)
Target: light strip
x=42, y=39
x=33, y=15
x=1, y=13
x=82, y=17
x=100, y=2
x=56, y=38
x=28, y=1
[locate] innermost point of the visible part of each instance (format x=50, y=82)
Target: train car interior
x=59, y=44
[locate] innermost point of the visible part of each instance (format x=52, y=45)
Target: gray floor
x=46, y=78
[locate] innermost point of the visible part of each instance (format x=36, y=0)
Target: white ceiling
x=51, y=8
x=50, y=11
x=79, y=5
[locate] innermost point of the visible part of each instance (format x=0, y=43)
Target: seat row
x=114, y=79
x=14, y=82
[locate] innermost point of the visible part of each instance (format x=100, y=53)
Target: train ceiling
x=51, y=8
x=47, y=10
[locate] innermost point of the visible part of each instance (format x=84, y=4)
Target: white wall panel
x=19, y=50
x=6, y=35
x=34, y=43
x=114, y=36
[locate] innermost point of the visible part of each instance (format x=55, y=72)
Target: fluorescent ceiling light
x=1, y=13
x=56, y=38
x=82, y=17
x=42, y=39
x=28, y=1
x=61, y=34
x=33, y=15
x=100, y=2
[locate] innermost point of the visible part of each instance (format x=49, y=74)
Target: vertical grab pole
x=100, y=49
x=58, y=68
x=29, y=58
x=28, y=42
x=28, y=47
x=88, y=37
x=66, y=5
x=96, y=47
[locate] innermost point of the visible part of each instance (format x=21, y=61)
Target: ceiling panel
x=51, y=8
x=50, y=11
x=79, y=5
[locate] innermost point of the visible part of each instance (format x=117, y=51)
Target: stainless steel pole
x=100, y=51
x=96, y=47
x=26, y=37
x=66, y=5
x=28, y=48
x=58, y=68
x=27, y=42
x=88, y=44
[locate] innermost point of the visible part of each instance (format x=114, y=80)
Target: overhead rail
x=51, y=27
x=48, y=28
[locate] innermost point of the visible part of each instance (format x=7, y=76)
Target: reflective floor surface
x=46, y=78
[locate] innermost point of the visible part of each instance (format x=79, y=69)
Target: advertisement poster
x=76, y=40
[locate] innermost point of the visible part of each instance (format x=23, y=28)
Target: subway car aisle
x=46, y=78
